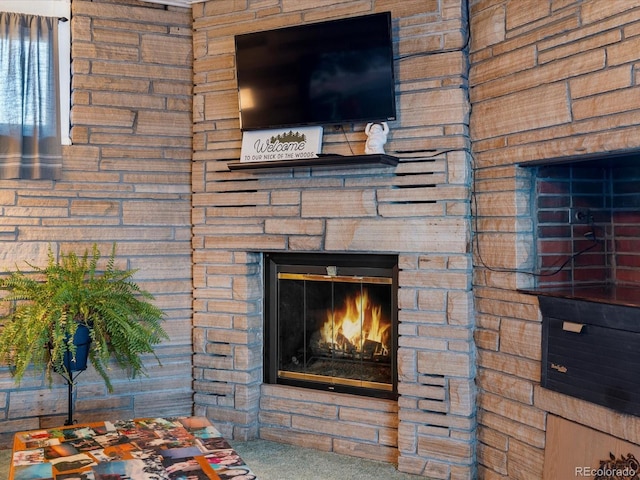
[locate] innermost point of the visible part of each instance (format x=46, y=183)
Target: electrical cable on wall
x=591, y=235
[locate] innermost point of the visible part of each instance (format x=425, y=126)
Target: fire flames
x=358, y=329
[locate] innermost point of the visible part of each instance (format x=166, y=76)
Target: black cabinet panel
x=592, y=351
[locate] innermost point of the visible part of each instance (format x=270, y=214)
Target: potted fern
x=51, y=305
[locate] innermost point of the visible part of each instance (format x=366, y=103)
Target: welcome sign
x=281, y=144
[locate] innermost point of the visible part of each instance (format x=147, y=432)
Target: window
x=60, y=9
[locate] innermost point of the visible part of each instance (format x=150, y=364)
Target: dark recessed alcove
x=587, y=214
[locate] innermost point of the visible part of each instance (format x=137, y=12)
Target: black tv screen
x=332, y=72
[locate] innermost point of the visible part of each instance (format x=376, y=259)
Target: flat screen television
x=326, y=73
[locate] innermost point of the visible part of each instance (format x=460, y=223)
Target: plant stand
x=77, y=365
x=71, y=380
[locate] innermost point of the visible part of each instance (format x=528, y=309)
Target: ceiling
x=176, y=3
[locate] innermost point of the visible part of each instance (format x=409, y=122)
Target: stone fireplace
x=416, y=212
x=422, y=417
x=423, y=420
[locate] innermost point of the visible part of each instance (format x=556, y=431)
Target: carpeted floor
x=5, y=459
x=277, y=461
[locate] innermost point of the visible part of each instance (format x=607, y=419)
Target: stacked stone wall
x=126, y=179
x=550, y=81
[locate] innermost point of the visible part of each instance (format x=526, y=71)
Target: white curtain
x=30, y=145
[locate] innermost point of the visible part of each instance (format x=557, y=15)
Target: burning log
x=344, y=344
x=372, y=349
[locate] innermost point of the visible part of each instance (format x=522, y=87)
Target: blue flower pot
x=81, y=340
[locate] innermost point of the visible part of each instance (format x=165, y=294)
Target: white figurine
x=377, y=137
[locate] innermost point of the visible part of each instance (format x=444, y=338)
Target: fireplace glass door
x=332, y=323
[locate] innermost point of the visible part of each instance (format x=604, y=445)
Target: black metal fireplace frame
x=317, y=263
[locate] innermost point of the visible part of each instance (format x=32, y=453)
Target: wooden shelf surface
x=322, y=161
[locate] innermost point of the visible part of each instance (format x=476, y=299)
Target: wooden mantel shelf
x=322, y=161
